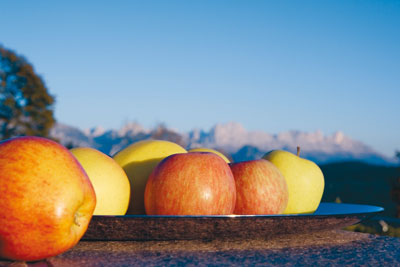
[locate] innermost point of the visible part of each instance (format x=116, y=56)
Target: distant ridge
x=230, y=138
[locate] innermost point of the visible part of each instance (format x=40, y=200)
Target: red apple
x=260, y=188
x=46, y=199
x=195, y=183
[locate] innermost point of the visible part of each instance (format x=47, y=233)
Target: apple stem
x=76, y=220
x=298, y=151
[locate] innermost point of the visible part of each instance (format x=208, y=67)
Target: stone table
x=323, y=248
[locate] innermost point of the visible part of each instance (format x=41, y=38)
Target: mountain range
x=230, y=138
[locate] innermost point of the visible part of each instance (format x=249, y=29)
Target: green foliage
x=361, y=183
x=387, y=230
x=26, y=108
x=356, y=182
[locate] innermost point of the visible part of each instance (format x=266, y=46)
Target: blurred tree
x=162, y=133
x=26, y=108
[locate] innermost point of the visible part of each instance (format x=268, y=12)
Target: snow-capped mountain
x=244, y=145
x=231, y=138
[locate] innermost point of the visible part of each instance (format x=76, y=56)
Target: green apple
x=109, y=181
x=138, y=160
x=304, y=178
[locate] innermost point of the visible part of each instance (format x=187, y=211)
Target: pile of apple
x=48, y=194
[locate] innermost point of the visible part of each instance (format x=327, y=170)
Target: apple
x=204, y=149
x=138, y=160
x=260, y=188
x=109, y=181
x=46, y=199
x=197, y=183
x=304, y=178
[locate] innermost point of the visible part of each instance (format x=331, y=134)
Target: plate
x=144, y=227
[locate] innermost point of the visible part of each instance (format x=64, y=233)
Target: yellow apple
x=138, y=160
x=109, y=181
x=304, y=178
x=203, y=149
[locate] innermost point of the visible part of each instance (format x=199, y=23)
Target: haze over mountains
x=230, y=138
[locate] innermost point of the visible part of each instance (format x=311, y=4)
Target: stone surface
x=334, y=247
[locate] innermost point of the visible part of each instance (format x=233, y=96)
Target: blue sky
x=269, y=65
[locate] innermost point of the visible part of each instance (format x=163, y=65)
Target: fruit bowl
x=145, y=228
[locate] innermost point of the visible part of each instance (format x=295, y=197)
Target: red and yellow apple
x=260, y=188
x=191, y=184
x=46, y=199
x=138, y=160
